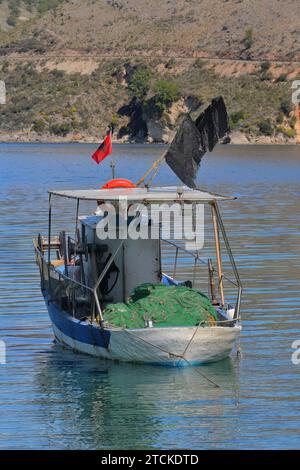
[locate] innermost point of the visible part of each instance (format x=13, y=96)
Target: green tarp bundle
x=164, y=305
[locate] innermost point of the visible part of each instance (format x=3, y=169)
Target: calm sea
x=51, y=398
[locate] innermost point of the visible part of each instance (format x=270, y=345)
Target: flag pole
x=113, y=168
x=112, y=163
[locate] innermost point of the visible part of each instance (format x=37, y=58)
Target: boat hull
x=171, y=346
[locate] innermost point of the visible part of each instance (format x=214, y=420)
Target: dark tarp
x=185, y=152
x=213, y=123
x=193, y=139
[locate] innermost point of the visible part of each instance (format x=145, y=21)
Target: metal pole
x=159, y=251
x=175, y=262
x=49, y=241
x=64, y=247
x=98, y=307
x=75, y=251
x=194, y=272
x=113, y=169
x=236, y=274
x=49, y=228
x=76, y=234
x=218, y=252
x=212, y=282
x=112, y=258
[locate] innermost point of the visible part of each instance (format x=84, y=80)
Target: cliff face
x=69, y=66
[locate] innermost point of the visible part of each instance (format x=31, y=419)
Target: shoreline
x=237, y=138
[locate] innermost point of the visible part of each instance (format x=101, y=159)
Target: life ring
x=118, y=183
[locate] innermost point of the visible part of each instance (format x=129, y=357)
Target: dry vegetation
x=68, y=64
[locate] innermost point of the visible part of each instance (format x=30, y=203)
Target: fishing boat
x=106, y=289
x=111, y=298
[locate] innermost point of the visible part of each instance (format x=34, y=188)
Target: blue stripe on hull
x=79, y=330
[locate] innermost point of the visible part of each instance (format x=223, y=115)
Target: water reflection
x=99, y=400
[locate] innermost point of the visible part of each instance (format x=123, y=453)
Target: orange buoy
x=119, y=183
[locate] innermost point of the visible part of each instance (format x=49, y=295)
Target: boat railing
x=75, y=292
x=199, y=260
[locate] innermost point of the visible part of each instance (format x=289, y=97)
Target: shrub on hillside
x=236, y=118
x=165, y=93
x=199, y=63
x=286, y=107
x=266, y=76
x=265, y=127
x=39, y=126
x=61, y=129
x=248, y=38
x=282, y=77
x=265, y=65
x=140, y=84
x=11, y=21
x=286, y=131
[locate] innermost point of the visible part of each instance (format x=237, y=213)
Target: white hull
x=174, y=346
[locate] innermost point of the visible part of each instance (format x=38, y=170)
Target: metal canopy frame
x=146, y=195
x=217, y=222
x=239, y=285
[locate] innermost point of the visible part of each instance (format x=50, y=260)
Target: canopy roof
x=145, y=195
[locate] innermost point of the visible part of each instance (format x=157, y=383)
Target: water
x=54, y=399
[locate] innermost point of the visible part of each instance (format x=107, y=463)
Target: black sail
x=213, y=123
x=185, y=152
x=194, y=139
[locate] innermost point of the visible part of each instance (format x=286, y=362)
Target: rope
x=150, y=181
x=189, y=343
x=181, y=357
x=202, y=323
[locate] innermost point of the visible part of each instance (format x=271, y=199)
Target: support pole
x=218, y=252
x=49, y=242
x=49, y=229
x=76, y=233
x=75, y=254
x=212, y=283
x=82, y=273
x=66, y=260
x=105, y=270
x=153, y=167
x=236, y=274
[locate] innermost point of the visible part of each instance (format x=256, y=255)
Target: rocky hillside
x=233, y=29
x=72, y=66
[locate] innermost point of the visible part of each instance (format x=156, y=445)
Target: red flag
x=103, y=150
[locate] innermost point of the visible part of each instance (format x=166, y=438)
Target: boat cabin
x=103, y=262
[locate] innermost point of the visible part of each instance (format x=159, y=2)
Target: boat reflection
x=102, y=404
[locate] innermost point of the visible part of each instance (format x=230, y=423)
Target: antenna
x=112, y=165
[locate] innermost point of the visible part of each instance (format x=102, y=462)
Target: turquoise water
x=51, y=398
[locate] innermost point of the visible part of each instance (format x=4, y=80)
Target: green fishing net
x=164, y=305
